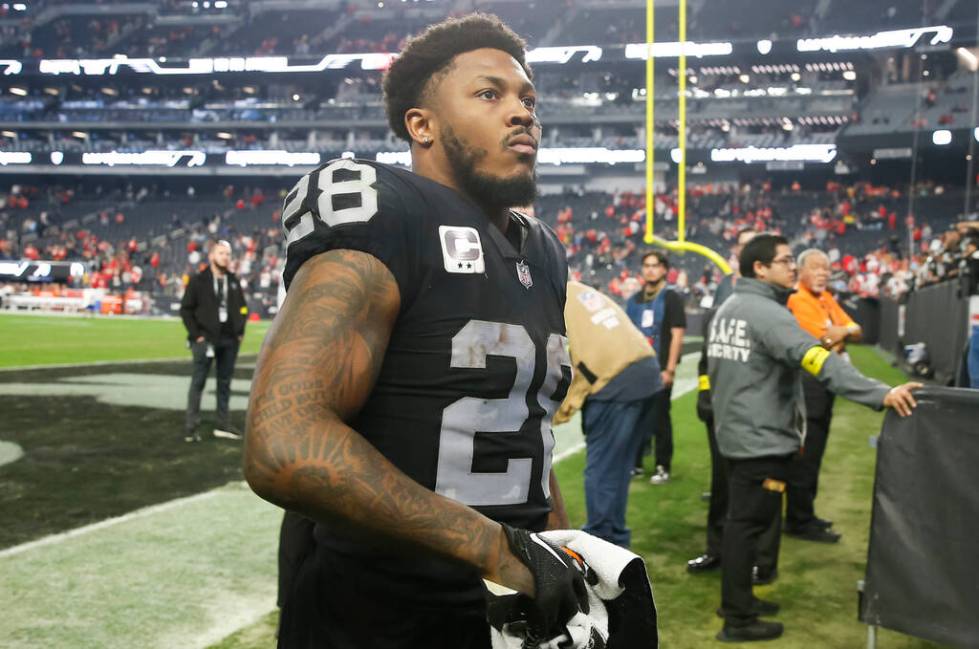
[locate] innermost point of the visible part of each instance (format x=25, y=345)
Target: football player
x=404, y=394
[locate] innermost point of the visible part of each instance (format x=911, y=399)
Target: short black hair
x=761, y=248
x=661, y=257
x=430, y=53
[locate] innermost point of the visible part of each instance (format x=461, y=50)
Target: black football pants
x=225, y=355
x=296, y=543
x=717, y=507
x=756, y=487
x=330, y=606
x=803, y=481
x=768, y=542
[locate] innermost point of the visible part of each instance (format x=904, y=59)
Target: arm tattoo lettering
x=315, y=371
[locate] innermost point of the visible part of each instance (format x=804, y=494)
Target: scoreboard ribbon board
x=40, y=272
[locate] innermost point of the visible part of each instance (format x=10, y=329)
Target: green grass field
x=45, y=340
x=817, y=583
x=104, y=441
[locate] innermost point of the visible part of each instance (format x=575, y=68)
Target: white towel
x=622, y=612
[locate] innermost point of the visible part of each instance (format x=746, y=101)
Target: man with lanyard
x=214, y=313
x=756, y=355
x=658, y=313
x=819, y=314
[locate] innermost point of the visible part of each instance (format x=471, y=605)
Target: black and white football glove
x=558, y=582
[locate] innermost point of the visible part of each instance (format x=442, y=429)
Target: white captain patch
x=462, y=251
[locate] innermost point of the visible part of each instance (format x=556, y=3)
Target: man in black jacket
x=214, y=312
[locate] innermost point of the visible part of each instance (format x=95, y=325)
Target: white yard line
x=61, y=537
x=61, y=366
x=211, y=606
x=144, y=361
x=186, y=574
x=84, y=316
x=684, y=386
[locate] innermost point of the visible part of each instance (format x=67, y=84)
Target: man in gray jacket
x=756, y=353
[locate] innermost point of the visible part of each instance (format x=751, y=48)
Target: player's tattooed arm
x=317, y=367
x=558, y=518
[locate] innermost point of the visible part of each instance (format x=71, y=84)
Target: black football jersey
x=477, y=361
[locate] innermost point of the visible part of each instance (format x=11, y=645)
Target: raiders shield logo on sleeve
x=523, y=274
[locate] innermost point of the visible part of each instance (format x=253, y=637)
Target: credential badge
x=461, y=250
x=523, y=274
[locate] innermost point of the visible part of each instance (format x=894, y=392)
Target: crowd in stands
x=876, y=249
x=146, y=239
x=150, y=239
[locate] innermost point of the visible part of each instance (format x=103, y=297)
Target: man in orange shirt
x=819, y=314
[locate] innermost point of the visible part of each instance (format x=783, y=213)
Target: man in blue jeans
x=615, y=374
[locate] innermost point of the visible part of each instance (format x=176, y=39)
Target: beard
x=491, y=192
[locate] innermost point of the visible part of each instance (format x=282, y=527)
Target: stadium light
x=57, y=157
x=15, y=158
x=270, y=158
x=942, y=137
x=764, y=46
x=11, y=67
x=585, y=155
x=850, y=75
x=150, y=158
x=548, y=156
x=564, y=54
x=968, y=59
x=672, y=50
x=17, y=90
x=819, y=153
x=975, y=134
x=899, y=38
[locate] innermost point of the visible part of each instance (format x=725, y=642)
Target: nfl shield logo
x=523, y=274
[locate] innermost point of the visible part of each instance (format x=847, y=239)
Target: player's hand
x=200, y=339
x=559, y=587
x=901, y=399
x=667, y=377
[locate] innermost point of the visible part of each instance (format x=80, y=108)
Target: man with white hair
x=818, y=312
x=214, y=312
